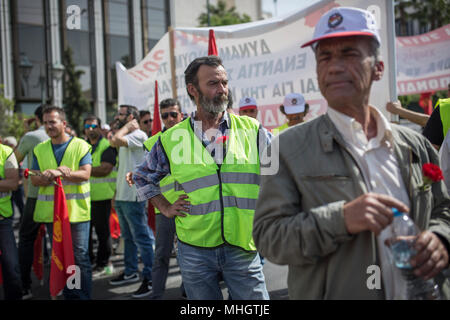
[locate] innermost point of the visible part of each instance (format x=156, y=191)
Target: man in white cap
x=248, y=107
x=295, y=109
x=327, y=211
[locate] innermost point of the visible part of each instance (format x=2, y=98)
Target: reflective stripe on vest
x=71, y=196
x=6, y=208
x=226, y=177
x=229, y=201
x=222, y=198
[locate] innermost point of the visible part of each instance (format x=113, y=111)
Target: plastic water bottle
x=405, y=233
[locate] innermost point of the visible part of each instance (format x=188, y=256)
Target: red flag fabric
x=62, y=250
x=38, y=256
x=426, y=102
x=114, y=225
x=151, y=216
x=212, y=47
x=156, y=126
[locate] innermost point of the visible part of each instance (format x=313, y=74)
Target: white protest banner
x=263, y=60
x=423, y=62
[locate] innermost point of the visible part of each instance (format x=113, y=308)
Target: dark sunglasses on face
x=93, y=126
x=146, y=121
x=173, y=114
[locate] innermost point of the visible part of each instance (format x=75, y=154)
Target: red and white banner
x=423, y=62
x=263, y=60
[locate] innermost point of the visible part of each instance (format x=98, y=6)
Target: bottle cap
x=396, y=212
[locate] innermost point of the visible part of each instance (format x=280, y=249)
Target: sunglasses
x=146, y=121
x=173, y=114
x=93, y=126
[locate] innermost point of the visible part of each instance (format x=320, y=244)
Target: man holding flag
x=68, y=159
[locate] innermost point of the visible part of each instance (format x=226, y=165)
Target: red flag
x=426, y=102
x=212, y=48
x=38, y=255
x=156, y=126
x=151, y=216
x=114, y=225
x=62, y=250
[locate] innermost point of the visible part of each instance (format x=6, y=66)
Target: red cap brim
x=339, y=34
x=248, y=107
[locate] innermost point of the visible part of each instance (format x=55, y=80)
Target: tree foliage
x=221, y=16
x=431, y=14
x=75, y=103
x=11, y=124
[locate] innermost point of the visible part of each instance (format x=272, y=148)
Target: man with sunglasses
x=216, y=182
x=103, y=187
x=145, y=122
x=129, y=139
x=165, y=228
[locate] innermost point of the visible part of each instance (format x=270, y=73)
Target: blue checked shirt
x=156, y=164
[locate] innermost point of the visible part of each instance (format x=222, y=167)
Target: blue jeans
x=241, y=271
x=12, y=285
x=80, y=244
x=136, y=234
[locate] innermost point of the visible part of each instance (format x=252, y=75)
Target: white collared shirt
x=381, y=171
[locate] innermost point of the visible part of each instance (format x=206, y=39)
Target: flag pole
x=172, y=62
x=391, y=43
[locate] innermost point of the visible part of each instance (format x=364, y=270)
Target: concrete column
x=100, y=103
x=6, y=50
x=137, y=31
x=55, y=40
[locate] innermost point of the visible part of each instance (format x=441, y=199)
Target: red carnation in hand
x=26, y=173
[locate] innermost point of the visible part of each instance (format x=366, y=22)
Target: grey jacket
x=299, y=213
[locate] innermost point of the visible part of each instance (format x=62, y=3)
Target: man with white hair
x=327, y=212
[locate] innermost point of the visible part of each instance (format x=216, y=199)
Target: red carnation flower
x=431, y=173
x=222, y=139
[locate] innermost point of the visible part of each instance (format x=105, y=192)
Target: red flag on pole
x=62, y=250
x=38, y=255
x=212, y=48
x=114, y=225
x=156, y=126
x=426, y=103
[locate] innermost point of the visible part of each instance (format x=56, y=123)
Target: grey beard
x=214, y=106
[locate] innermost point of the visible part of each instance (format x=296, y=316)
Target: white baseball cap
x=345, y=22
x=247, y=103
x=294, y=103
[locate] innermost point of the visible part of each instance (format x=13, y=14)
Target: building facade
x=35, y=35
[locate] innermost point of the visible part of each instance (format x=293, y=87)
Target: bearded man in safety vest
x=214, y=161
x=69, y=158
x=103, y=186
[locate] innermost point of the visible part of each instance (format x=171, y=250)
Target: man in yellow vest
x=9, y=261
x=69, y=158
x=439, y=123
x=295, y=109
x=103, y=186
x=214, y=160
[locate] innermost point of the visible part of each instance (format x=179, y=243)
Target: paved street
x=276, y=281
x=102, y=290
